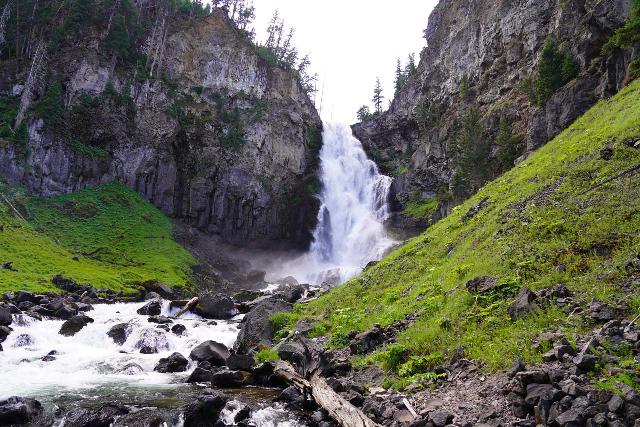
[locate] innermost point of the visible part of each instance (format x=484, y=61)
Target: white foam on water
x=91, y=359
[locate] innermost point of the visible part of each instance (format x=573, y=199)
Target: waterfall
x=350, y=231
x=354, y=203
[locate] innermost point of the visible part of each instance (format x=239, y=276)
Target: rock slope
x=492, y=48
x=209, y=131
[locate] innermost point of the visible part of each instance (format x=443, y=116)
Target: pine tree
x=411, y=69
x=507, y=145
x=377, y=96
x=400, y=79
x=363, y=113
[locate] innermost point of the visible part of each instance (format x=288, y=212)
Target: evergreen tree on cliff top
x=377, y=96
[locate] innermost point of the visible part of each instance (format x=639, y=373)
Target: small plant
x=266, y=355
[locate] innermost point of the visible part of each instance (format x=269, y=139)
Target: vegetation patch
x=108, y=236
x=541, y=216
x=421, y=210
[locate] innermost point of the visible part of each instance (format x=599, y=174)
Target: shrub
x=265, y=355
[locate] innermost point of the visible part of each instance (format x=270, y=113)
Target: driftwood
x=338, y=408
x=190, y=304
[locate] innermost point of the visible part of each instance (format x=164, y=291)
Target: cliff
x=202, y=125
x=481, y=54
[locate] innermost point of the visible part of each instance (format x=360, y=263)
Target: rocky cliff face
x=495, y=45
x=209, y=131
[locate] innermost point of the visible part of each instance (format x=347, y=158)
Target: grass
x=108, y=236
x=544, y=225
x=421, y=210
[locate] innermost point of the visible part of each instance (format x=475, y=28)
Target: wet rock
x=523, y=305
x=226, y=378
x=23, y=340
x=201, y=374
x=216, y=306
x=5, y=317
x=292, y=397
x=174, y=363
x=367, y=341
x=482, y=285
x=4, y=333
x=50, y=357
x=205, y=411
x=74, y=325
x=152, y=308
x=162, y=320
x=119, y=333
x=102, y=417
x=304, y=354
x=131, y=369
x=152, y=341
x=179, y=329
x=240, y=362
x=210, y=351
x=256, y=329
x=18, y=410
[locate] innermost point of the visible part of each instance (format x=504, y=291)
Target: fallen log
x=343, y=412
x=188, y=306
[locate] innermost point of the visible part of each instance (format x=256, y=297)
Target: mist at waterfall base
x=350, y=231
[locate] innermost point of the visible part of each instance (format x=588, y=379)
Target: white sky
x=350, y=43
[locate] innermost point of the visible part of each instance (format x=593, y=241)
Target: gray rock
x=256, y=329
x=174, y=363
x=482, y=285
x=240, y=362
x=217, y=306
x=440, y=418
x=205, y=411
x=201, y=374
x=152, y=308
x=5, y=317
x=119, y=333
x=523, y=305
x=226, y=378
x=210, y=351
x=74, y=325
x=104, y=416
x=570, y=418
x=19, y=410
x=586, y=362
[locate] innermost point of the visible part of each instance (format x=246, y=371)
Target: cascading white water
x=90, y=367
x=350, y=231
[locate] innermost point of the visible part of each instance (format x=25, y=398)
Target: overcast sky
x=351, y=42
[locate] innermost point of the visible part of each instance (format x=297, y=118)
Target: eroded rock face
x=240, y=169
x=496, y=44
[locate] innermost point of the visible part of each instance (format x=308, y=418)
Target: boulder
x=152, y=341
x=152, y=308
x=482, y=285
x=239, y=362
x=205, y=411
x=304, y=354
x=25, y=296
x=291, y=292
x=4, y=333
x=23, y=340
x=5, y=317
x=586, y=362
x=523, y=305
x=66, y=284
x=601, y=312
x=440, y=418
x=226, y=378
x=256, y=329
x=18, y=410
x=119, y=333
x=174, y=363
x=210, y=351
x=202, y=373
x=50, y=357
x=159, y=288
x=216, y=306
x=179, y=329
x=74, y=325
x=104, y=416
x=150, y=296
x=367, y=341
x=162, y=320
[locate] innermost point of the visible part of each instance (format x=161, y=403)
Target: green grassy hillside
x=108, y=236
x=543, y=225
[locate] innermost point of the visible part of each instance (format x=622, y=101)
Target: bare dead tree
x=34, y=79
